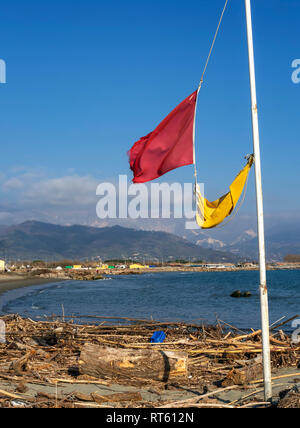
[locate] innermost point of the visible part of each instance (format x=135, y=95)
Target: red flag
x=168, y=147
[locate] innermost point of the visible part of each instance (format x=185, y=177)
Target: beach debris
x=198, y=358
x=290, y=399
x=99, y=361
x=19, y=404
x=20, y=366
x=250, y=371
x=158, y=337
x=117, y=398
x=21, y=387
x=83, y=397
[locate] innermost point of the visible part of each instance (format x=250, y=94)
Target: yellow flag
x=211, y=214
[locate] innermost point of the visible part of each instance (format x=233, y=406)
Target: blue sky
x=87, y=78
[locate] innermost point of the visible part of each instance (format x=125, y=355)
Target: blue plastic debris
x=158, y=337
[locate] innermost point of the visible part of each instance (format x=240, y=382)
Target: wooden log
x=117, y=398
x=112, y=398
x=244, y=375
x=99, y=362
x=20, y=366
x=83, y=397
x=10, y=395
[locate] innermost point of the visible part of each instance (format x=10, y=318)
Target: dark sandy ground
x=12, y=282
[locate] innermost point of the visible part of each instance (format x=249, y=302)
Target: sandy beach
x=12, y=282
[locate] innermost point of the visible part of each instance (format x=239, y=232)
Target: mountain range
x=239, y=237
x=279, y=242
x=167, y=240
x=35, y=240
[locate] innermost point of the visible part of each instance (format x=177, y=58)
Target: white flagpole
x=260, y=215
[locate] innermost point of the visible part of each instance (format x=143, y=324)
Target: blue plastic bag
x=158, y=337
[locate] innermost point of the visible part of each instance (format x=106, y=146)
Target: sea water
x=201, y=297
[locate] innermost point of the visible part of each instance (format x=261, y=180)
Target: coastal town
x=96, y=271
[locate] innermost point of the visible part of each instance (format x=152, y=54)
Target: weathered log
x=244, y=375
x=112, y=398
x=117, y=398
x=99, y=362
x=20, y=366
x=83, y=397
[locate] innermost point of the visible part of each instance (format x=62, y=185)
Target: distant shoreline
x=191, y=269
x=13, y=282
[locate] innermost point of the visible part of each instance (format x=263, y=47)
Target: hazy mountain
x=36, y=240
x=280, y=241
x=211, y=243
x=153, y=239
x=246, y=236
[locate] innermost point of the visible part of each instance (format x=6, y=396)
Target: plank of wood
x=99, y=361
x=117, y=398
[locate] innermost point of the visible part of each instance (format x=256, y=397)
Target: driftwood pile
x=193, y=357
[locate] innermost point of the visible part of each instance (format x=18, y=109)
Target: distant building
x=138, y=266
x=76, y=267
x=120, y=267
x=211, y=266
x=249, y=265
x=2, y=265
x=103, y=267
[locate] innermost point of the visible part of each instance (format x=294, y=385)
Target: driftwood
x=117, y=398
x=290, y=399
x=111, y=398
x=47, y=353
x=20, y=365
x=99, y=362
x=249, y=372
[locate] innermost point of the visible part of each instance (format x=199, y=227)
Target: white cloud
x=13, y=184
x=6, y=217
x=35, y=195
x=65, y=191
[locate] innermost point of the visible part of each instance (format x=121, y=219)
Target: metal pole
x=260, y=215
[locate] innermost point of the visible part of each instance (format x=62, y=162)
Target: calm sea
x=162, y=296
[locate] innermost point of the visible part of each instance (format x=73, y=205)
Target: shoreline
x=10, y=283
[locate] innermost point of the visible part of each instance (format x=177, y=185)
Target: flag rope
x=201, y=82
x=213, y=43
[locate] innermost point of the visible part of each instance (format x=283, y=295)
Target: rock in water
x=236, y=294
x=247, y=294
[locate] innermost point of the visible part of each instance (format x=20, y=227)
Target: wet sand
x=12, y=282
